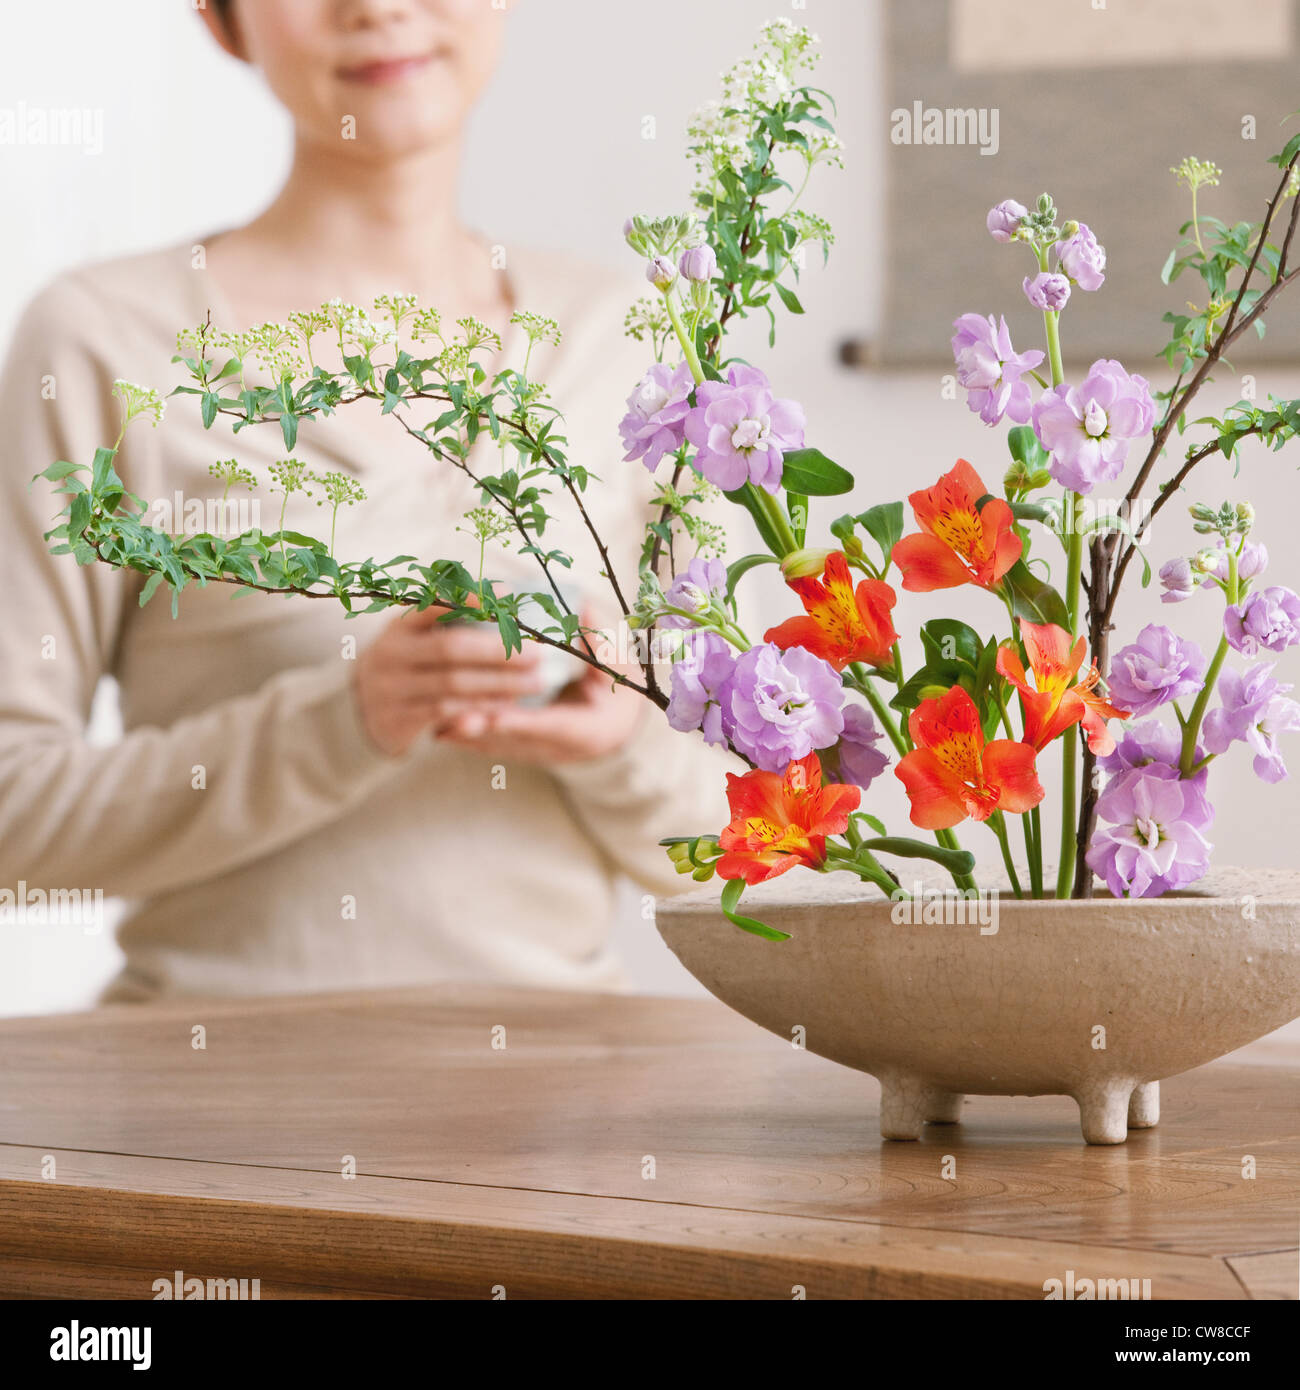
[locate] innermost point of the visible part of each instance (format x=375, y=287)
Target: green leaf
x=102, y=477
x=788, y=298
x=1025, y=448
x=810, y=472
x=744, y=497
x=797, y=507
x=78, y=514
x=289, y=429
x=56, y=472
x=884, y=524
x=946, y=640
x=1034, y=599
x=741, y=567
x=731, y=892
x=150, y=588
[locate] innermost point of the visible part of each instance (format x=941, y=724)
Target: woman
x=285, y=812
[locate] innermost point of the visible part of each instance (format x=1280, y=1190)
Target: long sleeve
x=166, y=807
x=661, y=783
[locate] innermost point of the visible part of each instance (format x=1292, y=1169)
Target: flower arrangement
x=823, y=705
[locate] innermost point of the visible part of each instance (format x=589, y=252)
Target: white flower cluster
x=139, y=400
x=719, y=133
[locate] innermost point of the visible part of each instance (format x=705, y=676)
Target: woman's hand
x=591, y=717
x=421, y=674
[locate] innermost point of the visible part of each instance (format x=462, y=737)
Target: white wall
x=575, y=83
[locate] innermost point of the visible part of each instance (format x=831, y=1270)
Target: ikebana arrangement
x=824, y=704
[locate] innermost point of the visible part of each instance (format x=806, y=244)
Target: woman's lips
x=385, y=70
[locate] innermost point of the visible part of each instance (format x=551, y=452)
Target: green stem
x=1034, y=834
x=1074, y=569
x=868, y=868
x=1070, y=743
x=1187, y=762
x=997, y=823
x=684, y=338
x=862, y=683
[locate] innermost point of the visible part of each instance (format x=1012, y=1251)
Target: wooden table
x=604, y=1147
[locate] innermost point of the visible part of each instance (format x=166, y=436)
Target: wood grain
x=615, y=1147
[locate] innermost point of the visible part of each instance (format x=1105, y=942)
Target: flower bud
x=1245, y=516
x=1200, y=511
x=698, y=265
x=1206, y=561
x=1178, y=580
x=804, y=564
x=1003, y=221
x=661, y=272
x=1069, y=229
x=1047, y=290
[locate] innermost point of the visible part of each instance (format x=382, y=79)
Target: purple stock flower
x=1253, y=710
x=1268, y=619
x=1177, y=580
x=1047, y=290
x=1143, y=744
x=698, y=265
x=656, y=414
x=989, y=368
x=1082, y=258
x=700, y=684
x=741, y=431
x=1088, y=427
x=700, y=584
x=856, y=759
x=783, y=705
x=1157, y=668
x=1154, y=839
x=1153, y=749
x=1251, y=563
x=1004, y=219
x=660, y=271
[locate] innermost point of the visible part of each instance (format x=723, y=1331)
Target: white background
x=565, y=113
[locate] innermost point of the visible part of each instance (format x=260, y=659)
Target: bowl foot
x=1104, y=1110
x=907, y=1103
x=1144, y=1108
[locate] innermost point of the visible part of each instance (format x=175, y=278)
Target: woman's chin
x=390, y=132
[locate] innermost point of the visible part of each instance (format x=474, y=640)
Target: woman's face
x=379, y=77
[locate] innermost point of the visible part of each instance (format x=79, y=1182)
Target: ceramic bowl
x=1097, y=1000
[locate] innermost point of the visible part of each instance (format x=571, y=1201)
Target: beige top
x=307, y=859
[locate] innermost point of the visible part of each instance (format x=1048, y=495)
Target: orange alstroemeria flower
x=779, y=822
x=952, y=773
x=843, y=624
x=1056, y=700
x=959, y=543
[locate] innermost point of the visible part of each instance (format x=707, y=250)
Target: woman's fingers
x=457, y=646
